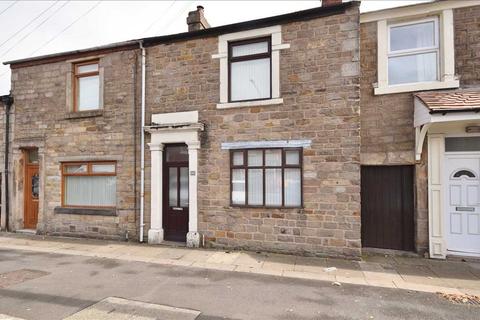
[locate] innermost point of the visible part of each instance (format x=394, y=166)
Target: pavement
x=40, y=285
x=410, y=273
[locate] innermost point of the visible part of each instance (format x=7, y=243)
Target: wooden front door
x=175, y=196
x=31, y=189
x=387, y=207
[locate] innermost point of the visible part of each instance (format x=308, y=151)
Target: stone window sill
x=86, y=211
x=421, y=86
x=244, y=104
x=84, y=114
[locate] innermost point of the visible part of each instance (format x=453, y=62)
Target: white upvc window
x=413, y=51
x=416, y=54
x=250, y=67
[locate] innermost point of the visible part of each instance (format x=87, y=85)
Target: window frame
x=415, y=51
x=283, y=166
x=77, y=76
x=256, y=56
x=89, y=173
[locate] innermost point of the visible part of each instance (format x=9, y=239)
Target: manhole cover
x=466, y=299
x=11, y=278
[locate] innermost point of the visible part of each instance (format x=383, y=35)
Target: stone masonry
x=320, y=88
x=44, y=121
x=319, y=85
x=387, y=132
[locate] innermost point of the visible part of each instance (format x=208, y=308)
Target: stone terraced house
x=315, y=132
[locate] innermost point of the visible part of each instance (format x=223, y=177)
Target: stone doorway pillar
x=155, y=233
x=193, y=237
x=166, y=128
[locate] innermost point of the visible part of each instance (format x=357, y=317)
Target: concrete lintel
x=266, y=144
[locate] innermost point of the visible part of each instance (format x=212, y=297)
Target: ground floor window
x=89, y=184
x=266, y=177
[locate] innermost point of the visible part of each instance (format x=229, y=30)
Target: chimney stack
x=329, y=3
x=196, y=20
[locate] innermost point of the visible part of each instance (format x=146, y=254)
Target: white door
x=462, y=214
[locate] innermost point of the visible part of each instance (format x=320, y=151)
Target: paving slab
x=7, y=317
x=253, y=260
x=222, y=257
x=310, y=264
x=279, y=262
x=197, y=255
x=419, y=274
x=258, y=270
x=113, y=308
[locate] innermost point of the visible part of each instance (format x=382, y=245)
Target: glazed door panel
x=176, y=197
x=31, y=192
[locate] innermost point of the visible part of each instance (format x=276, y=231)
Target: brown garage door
x=387, y=207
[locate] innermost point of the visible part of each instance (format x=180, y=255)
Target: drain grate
x=465, y=299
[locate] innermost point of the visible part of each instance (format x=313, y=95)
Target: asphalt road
x=65, y=284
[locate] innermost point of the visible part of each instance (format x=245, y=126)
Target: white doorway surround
x=169, y=128
x=462, y=207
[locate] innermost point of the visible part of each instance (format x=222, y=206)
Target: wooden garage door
x=387, y=207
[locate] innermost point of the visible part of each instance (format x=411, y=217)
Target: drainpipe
x=7, y=101
x=142, y=148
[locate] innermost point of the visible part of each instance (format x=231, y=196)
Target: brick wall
x=319, y=85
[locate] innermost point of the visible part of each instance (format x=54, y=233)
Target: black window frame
x=283, y=166
x=257, y=56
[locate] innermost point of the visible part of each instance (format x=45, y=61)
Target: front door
x=462, y=214
x=31, y=189
x=175, y=197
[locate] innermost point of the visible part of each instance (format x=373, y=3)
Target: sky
x=33, y=28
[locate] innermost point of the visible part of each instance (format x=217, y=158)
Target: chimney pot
x=329, y=3
x=196, y=20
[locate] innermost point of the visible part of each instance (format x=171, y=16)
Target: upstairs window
x=250, y=75
x=413, y=52
x=86, y=86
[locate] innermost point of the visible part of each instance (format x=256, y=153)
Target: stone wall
x=387, y=133
x=467, y=45
x=43, y=121
x=320, y=88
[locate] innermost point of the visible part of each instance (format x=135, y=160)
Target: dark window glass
x=457, y=144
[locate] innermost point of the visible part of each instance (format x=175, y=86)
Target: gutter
x=142, y=148
x=7, y=101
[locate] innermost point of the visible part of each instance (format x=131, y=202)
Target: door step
x=26, y=231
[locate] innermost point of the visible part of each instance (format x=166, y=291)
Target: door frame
x=166, y=189
x=26, y=166
x=176, y=127
x=446, y=174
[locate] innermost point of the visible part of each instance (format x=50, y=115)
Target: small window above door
x=462, y=144
x=32, y=156
x=176, y=153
